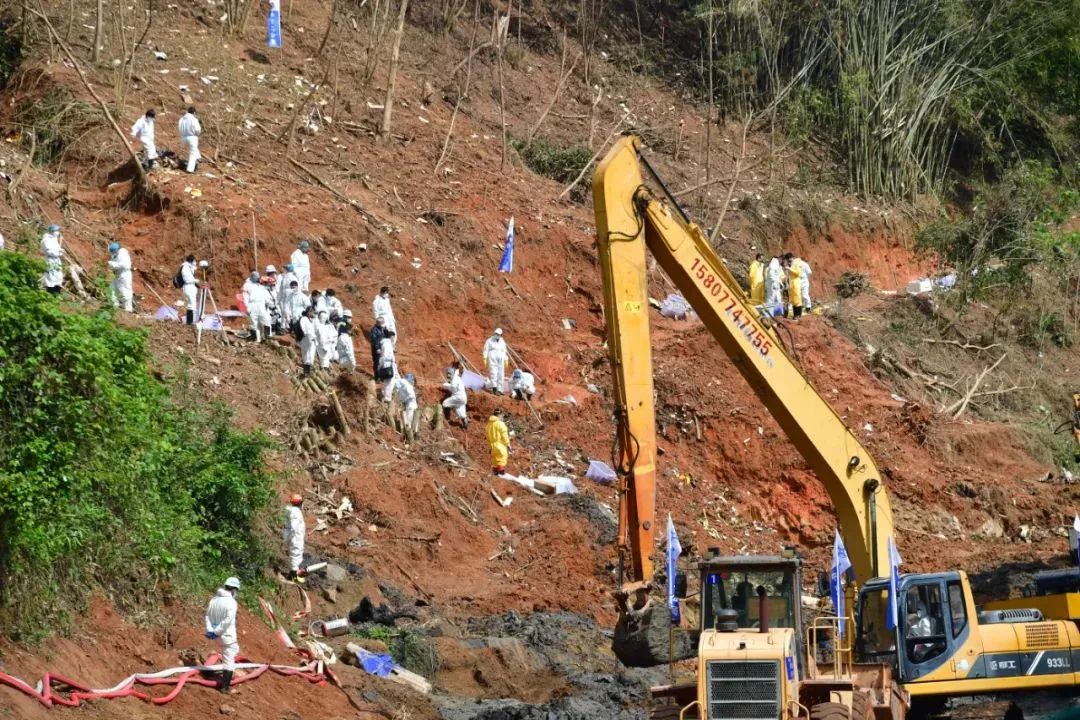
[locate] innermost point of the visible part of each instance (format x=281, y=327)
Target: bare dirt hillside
x=496, y=588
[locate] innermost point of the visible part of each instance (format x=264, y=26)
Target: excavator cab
x=941, y=644
x=747, y=586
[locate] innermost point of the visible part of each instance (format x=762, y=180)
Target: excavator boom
x=630, y=220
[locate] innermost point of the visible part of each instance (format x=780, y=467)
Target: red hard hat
x=296, y=499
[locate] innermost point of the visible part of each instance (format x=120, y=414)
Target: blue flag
x=1076, y=532
x=841, y=563
x=507, y=263
x=273, y=27
x=674, y=550
x=894, y=585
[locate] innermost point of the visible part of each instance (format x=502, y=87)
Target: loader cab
x=933, y=621
x=735, y=584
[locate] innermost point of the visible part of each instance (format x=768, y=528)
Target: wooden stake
x=254, y=242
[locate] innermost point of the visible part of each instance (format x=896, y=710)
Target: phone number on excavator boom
x=713, y=287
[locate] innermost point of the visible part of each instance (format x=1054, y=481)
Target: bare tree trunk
x=140, y=175
x=708, y=117
x=463, y=93
x=734, y=179
x=329, y=28
x=503, y=39
x=395, y=53
x=99, y=32
x=564, y=75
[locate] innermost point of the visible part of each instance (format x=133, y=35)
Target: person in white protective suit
x=387, y=361
x=774, y=285
x=318, y=302
x=120, y=290
x=276, y=306
x=221, y=625
x=190, y=130
x=327, y=339
x=53, y=250
x=309, y=339
x=294, y=536
x=456, y=399
x=404, y=389
x=381, y=306
x=333, y=305
x=346, y=351
x=496, y=356
x=190, y=287
x=259, y=300
x=285, y=281
x=143, y=131
x=804, y=283
x=301, y=265
x=294, y=304
x=249, y=286
x=522, y=385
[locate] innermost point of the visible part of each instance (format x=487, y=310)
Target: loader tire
x=862, y=706
x=830, y=711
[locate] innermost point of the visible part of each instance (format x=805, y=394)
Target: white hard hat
x=270, y=269
x=233, y=583
x=498, y=331
x=347, y=313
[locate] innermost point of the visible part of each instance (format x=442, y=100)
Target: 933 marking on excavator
x=713, y=287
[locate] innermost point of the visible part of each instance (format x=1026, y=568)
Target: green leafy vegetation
x=107, y=484
x=10, y=49
x=545, y=158
x=1010, y=228
x=910, y=95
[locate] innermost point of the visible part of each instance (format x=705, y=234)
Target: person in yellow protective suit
x=499, y=440
x=794, y=270
x=756, y=277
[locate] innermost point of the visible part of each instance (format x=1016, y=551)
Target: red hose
x=52, y=685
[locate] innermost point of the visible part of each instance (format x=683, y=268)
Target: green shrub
x=552, y=161
x=1038, y=329
x=106, y=483
x=1011, y=226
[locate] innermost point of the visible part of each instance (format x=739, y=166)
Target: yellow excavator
x=910, y=635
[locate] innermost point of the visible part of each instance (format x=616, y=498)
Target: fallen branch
x=470, y=56
x=961, y=405
x=1002, y=391
x=716, y=181
x=962, y=346
x=337, y=193
x=418, y=538
x=413, y=582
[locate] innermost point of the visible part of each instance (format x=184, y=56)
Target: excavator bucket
x=644, y=638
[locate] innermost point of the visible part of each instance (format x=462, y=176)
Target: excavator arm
x=631, y=221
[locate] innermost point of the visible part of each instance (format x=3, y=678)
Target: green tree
x=106, y=484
